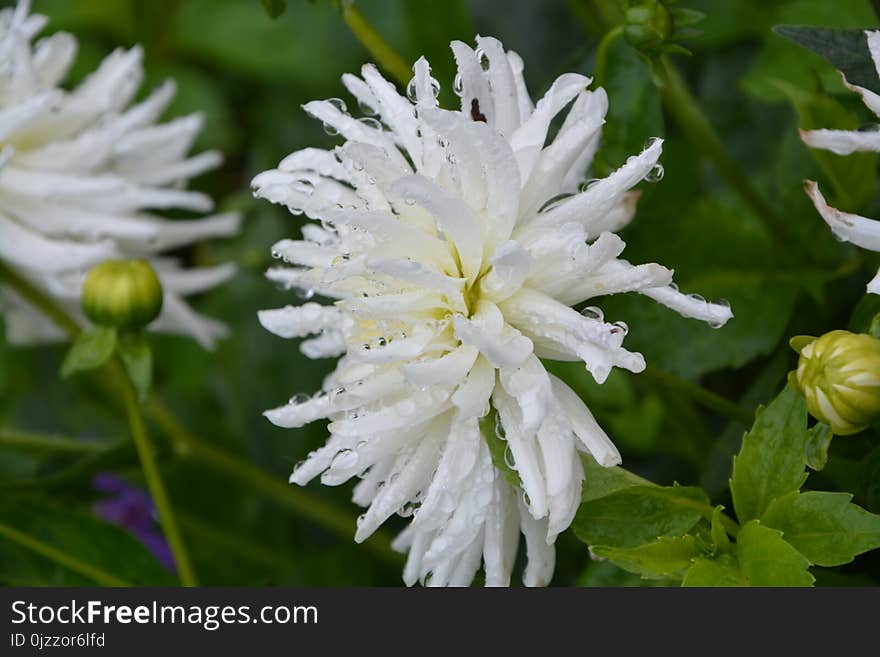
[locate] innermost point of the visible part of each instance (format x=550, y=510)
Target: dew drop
x=411, y=90
x=435, y=87
x=339, y=104
x=509, y=461
x=409, y=201
x=650, y=143
x=299, y=398
x=370, y=122
x=482, y=58
x=593, y=312
x=500, y=432
x=345, y=459
x=367, y=108
x=276, y=254
x=551, y=203
x=305, y=293
x=458, y=85
x=330, y=130
x=655, y=174
x=622, y=326
x=584, y=186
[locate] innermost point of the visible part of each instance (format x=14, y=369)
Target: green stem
x=301, y=502
x=155, y=484
x=686, y=111
x=602, y=53
x=40, y=443
x=38, y=299
x=93, y=573
x=700, y=395
x=370, y=39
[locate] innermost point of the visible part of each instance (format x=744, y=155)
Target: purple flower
x=132, y=509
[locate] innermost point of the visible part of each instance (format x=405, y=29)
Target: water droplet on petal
x=650, y=143
x=345, y=459
x=499, y=430
x=305, y=293
x=299, y=398
x=655, y=174
x=622, y=326
x=367, y=108
x=370, y=122
x=509, y=461
x=593, y=312
x=411, y=90
x=458, y=85
x=482, y=58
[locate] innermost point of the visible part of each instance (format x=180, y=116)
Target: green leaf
x=92, y=348
x=663, y=558
x=847, y=50
x=818, y=442
x=765, y=559
x=138, y=360
x=825, y=527
x=719, y=533
x=773, y=456
x=497, y=449
x=81, y=539
x=600, y=481
x=639, y=514
x=723, y=571
x=274, y=7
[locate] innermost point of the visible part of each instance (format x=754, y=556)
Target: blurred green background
x=249, y=74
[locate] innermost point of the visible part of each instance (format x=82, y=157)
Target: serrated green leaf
x=600, y=481
x=773, y=456
x=818, y=442
x=824, y=527
x=639, y=514
x=274, y=7
x=846, y=50
x=719, y=534
x=92, y=348
x=138, y=360
x=765, y=559
x=721, y=572
x=667, y=557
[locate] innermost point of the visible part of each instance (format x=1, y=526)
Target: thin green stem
x=41, y=443
x=370, y=39
x=38, y=299
x=301, y=502
x=602, y=53
x=78, y=566
x=155, y=484
x=684, y=108
x=703, y=397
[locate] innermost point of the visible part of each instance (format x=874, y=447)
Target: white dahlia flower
x=453, y=245
x=847, y=227
x=81, y=173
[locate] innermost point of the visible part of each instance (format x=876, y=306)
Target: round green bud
x=122, y=294
x=839, y=376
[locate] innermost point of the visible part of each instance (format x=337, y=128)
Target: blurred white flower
x=861, y=231
x=80, y=172
x=455, y=244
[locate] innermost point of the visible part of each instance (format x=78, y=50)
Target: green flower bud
x=839, y=376
x=653, y=28
x=122, y=294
